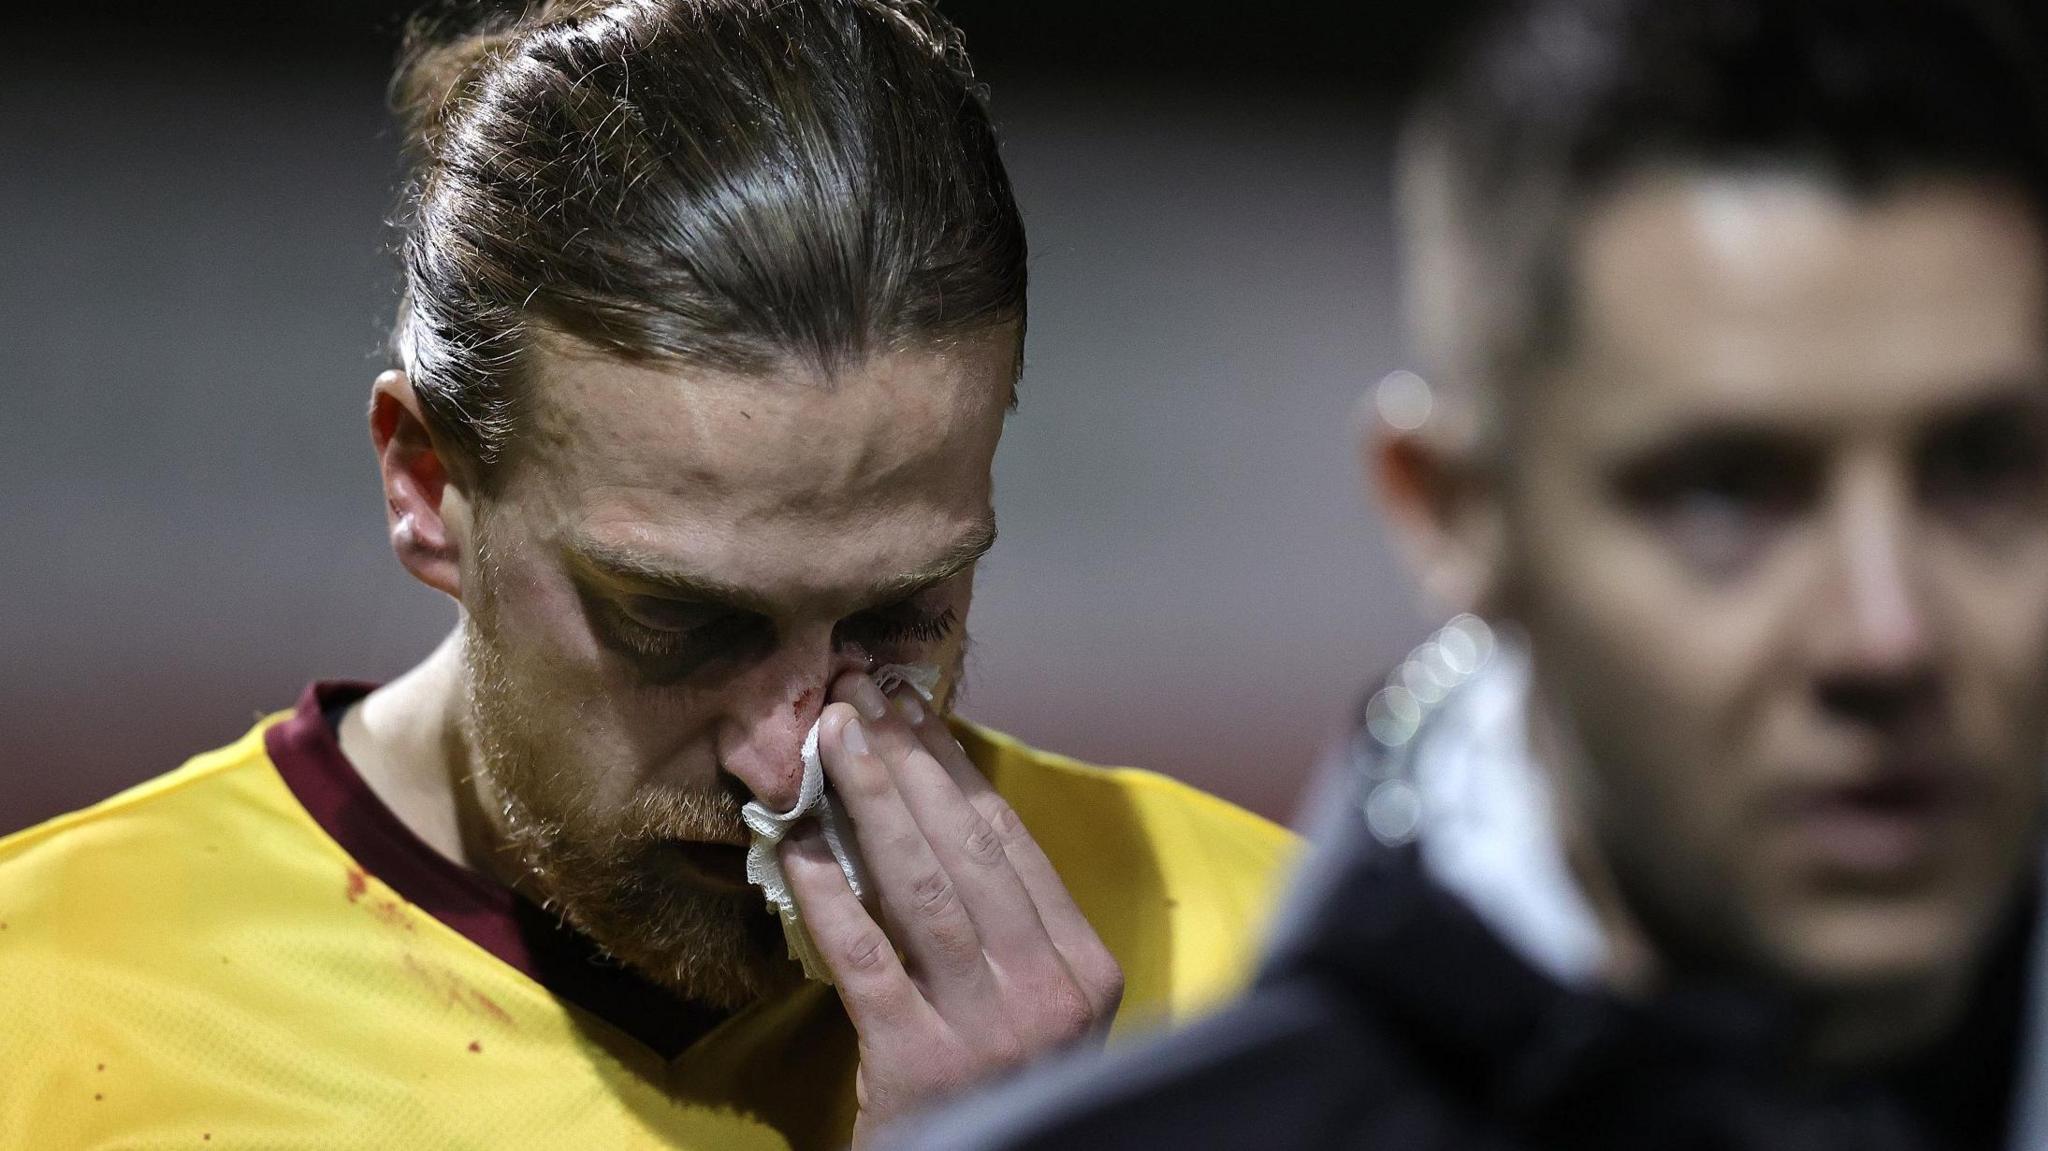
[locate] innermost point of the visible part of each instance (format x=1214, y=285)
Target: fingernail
x=852, y=738
x=908, y=703
x=868, y=699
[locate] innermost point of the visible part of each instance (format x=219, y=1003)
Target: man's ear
x=426, y=514
x=1436, y=493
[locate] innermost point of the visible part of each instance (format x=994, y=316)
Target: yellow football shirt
x=253, y=952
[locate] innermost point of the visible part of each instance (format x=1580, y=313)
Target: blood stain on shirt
x=392, y=914
x=476, y=1047
x=457, y=991
x=358, y=883
x=490, y=1005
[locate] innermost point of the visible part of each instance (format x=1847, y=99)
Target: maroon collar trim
x=307, y=754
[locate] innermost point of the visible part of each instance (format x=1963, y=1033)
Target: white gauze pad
x=769, y=828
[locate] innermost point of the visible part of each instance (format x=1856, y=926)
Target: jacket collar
x=1450, y=920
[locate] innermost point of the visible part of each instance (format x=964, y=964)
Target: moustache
x=700, y=815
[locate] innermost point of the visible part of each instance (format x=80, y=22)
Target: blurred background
x=195, y=277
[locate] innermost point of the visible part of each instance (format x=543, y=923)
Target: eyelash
x=646, y=641
x=895, y=625
x=657, y=643
x=903, y=624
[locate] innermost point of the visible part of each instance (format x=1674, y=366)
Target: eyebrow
x=626, y=564
x=2016, y=397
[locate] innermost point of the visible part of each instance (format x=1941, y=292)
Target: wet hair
x=741, y=185
x=1548, y=104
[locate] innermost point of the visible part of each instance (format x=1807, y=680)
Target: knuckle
x=1110, y=993
x=868, y=951
x=917, y=1075
x=1007, y=824
x=1069, y=1014
x=983, y=845
x=1003, y=1046
x=1105, y=977
x=1055, y=1010
x=1012, y=1052
x=933, y=896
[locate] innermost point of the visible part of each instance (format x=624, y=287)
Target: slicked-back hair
x=733, y=184
x=1548, y=104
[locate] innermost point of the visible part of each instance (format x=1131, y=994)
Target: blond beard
x=602, y=872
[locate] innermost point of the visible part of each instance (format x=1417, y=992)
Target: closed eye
x=899, y=624
x=672, y=639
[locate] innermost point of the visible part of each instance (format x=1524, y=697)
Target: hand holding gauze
x=769, y=828
x=968, y=956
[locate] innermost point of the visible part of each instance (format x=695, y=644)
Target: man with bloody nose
x=713, y=313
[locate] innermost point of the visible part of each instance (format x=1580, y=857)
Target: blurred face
x=1778, y=529
x=674, y=565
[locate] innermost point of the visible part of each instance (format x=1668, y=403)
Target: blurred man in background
x=1719, y=823
x=713, y=313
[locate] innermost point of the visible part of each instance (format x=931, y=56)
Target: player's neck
x=405, y=739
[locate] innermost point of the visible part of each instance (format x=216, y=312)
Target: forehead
x=676, y=458
x=1779, y=297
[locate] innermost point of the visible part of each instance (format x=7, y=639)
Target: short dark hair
x=1546, y=104
x=735, y=184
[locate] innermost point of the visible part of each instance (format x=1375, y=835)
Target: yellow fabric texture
x=190, y=965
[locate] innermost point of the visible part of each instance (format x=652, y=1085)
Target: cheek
x=586, y=721
x=1629, y=635
x=1993, y=631
x=1671, y=688
x=530, y=607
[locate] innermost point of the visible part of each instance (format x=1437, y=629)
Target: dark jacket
x=1389, y=1016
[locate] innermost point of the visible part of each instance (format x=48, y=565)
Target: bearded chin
x=604, y=874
